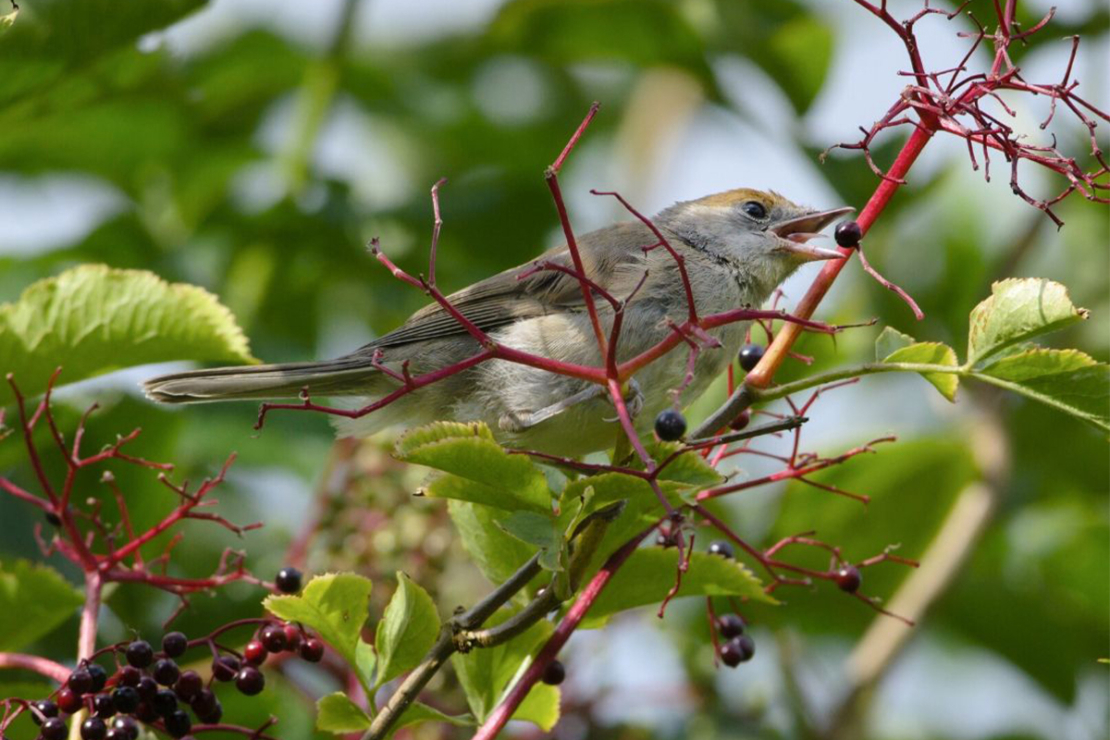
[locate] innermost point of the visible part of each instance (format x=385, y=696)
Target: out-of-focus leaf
x=648, y=574
x=407, y=631
x=34, y=599
x=93, y=319
x=1018, y=310
x=337, y=713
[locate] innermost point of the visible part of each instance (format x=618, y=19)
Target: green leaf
x=1018, y=310
x=336, y=606
x=417, y=713
x=337, y=713
x=647, y=576
x=540, y=707
x=1068, y=380
x=469, y=451
x=486, y=673
x=93, y=319
x=496, y=553
x=931, y=353
x=34, y=599
x=690, y=469
x=541, y=531
x=407, y=631
x=890, y=341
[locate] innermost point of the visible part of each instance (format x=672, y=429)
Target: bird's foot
x=633, y=399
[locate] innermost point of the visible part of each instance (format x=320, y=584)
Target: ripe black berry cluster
x=150, y=687
x=738, y=647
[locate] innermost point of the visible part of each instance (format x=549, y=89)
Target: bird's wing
x=507, y=297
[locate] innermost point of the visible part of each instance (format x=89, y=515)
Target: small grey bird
x=738, y=247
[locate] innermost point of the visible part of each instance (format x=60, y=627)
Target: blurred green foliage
x=219, y=151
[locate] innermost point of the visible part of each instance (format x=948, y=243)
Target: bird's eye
x=755, y=209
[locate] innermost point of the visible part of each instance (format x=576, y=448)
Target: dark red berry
x=177, y=723
x=127, y=726
x=188, y=686
x=554, y=673
x=670, y=425
x=848, y=578
x=93, y=729
x=722, y=548
x=255, y=652
x=750, y=355
x=146, y=713
x=207, y=706
x=737, y=650
x=288, y=580
x=293, y=637
x=312, y=650
x=114, y=734
x=225, y=667
x=147, y=688
x=273, y=637
x=68, y=700
x=80, y=681
x=140, y=654
x=848, y=234
x=741, y=421
x=103, y=706
x=99, y=677
x=164, y=702
x=747, y=647
x=129, y=675
x=166, y=672
x=44, y=709
x=125, y=699
x=54, y=728
x=730, y=625
x=174, y=644
x=250, y=680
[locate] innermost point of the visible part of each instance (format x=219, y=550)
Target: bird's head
x=762, y=233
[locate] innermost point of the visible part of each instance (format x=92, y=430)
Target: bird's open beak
x=797, y=231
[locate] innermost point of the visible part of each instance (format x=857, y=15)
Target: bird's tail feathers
x=342, y=377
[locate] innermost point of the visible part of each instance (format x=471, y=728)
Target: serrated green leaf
x=649, y=573
x=336, y=606
x=496, y=553
x=457, y=488
x=485, y=674
x=93, y=319
x=1018, y=310
x=931, y=353
x=889, y=341
x=34, y=599
x=337, y=713
x=690, y=469
x=469, y=451
x=1068, y=380
x=541, y=531
x=407, y=631
x=417, y=713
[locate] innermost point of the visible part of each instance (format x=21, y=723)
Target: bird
x=737, y=246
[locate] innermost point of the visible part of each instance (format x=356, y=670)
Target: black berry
x=670, y=425
x=207, y=706
x=750, y=355
x=140, y=654
x=722, y=548
x=54, y=728
x=127, y=726
x=178, y=724
x=848, y=234
x=129, y=675
x=99, y=676
x=147, y=688
x=174, y=644
x=188, y=686
x=273, y=637
x=93, y=729
x=125, y=699
x=250, y=680
x=741, y=421
x=68, y=700
x=254, y=652
x=554, y=673
x=747, y=647
x=46, y=709
x=737, y=650
x=166, y=672
x=115, y=734
x=146, y=713
x=80, y=681
x=53, y=519
x=848, y=578
x=225, y=667
x=288, y=580
x=103, y=706
x=312, y=650
x=164, y=702
x=730, y=625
